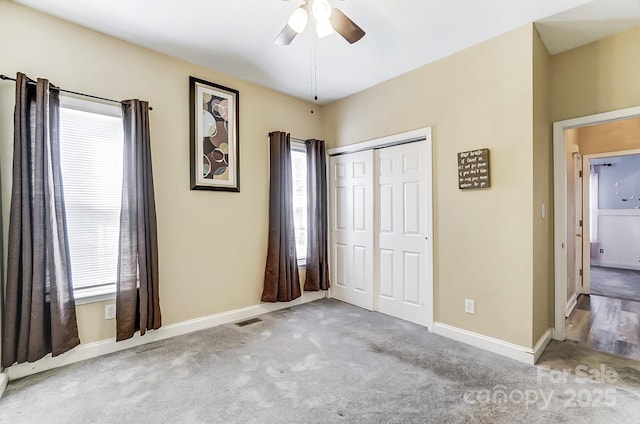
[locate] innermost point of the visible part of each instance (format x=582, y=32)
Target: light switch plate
x=110, y=311
x=470, y=306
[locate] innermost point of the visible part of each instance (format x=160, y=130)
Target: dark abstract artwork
x=214, y=137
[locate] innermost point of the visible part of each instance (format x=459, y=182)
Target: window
x=299, y=175
x=91, y=145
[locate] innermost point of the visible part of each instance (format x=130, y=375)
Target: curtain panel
x=317, y=269
x=281, y=279
x=137, y=297
x=39, y=315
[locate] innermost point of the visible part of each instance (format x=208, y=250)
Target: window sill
x=99, y=294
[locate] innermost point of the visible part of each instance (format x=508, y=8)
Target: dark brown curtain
x=39, y=311
x=281, y=280
x=317, y=224
x=137, y=299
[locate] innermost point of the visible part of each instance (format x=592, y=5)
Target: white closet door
x=403, y=277
x=352, y=228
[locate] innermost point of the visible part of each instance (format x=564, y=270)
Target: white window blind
x=300, y=201
x=91, y=144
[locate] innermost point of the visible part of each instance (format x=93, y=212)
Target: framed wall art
x=474, y=170
x=214, y=145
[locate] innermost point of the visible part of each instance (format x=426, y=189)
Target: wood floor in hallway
x=606, y=324
x=615, y=282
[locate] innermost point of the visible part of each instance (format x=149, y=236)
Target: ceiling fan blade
x=345, y=26
x=286, y=36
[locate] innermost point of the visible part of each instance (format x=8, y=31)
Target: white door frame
x=560, y=203
x=402, y=138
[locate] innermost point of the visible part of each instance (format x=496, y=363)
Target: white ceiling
x=587, y=23
x=236, y=36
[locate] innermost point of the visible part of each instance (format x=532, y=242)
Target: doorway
x=606, y=313
x=612, y=236
x=380, y=226
x=594, y=238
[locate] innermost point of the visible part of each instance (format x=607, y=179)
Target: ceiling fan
x=327, y=19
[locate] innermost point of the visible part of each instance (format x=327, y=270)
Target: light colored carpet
x=323, y=362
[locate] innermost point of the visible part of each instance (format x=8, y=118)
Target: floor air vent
x=248, y=322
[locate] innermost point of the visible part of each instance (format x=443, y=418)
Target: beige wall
x=542, y=193
x=480, y=97
x=610, y=137
x=599, y=77
x=212, y=244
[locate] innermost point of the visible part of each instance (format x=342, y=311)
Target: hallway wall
x=598, y=77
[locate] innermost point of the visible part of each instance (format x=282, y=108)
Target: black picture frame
x=214, y=146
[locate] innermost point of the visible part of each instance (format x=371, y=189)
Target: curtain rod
x=6, y=78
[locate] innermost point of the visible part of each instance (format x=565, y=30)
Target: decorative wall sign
x=214, y=150
x=473, y=169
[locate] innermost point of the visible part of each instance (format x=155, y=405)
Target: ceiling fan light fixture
x=324, y=28
x=299, y=19
x=327, y=19
x=321, y=10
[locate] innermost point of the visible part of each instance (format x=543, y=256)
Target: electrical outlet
x=110, y=311
x=470, y=306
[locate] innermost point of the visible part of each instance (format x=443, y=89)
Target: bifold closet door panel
x=402, y=230
x=352, y=228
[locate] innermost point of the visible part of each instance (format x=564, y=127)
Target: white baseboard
x=510, y=350
x=4, y=380
x=103, y=347
x=542, y=344
x=571, y=303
